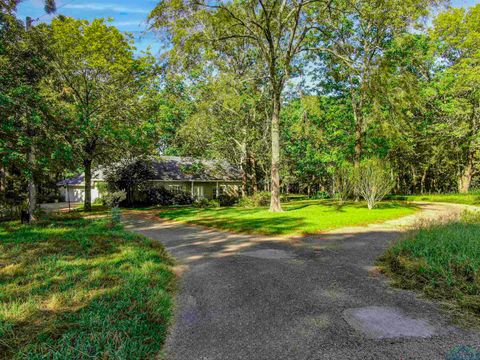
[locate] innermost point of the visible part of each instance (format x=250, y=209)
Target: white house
x=202, y=178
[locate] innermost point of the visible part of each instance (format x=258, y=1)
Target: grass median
x=442, y=260
x=299, y=217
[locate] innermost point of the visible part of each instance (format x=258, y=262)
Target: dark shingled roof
x=169, y=168
x=187, y=169
x=78, y=179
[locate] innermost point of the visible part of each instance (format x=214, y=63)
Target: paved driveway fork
x=316, y=297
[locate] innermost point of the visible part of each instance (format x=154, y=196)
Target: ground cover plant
x=440, y=259
x=76, y=288
x=299, y=217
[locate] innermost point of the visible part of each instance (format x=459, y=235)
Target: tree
x=9, y=23
x=33, y=140
x=373, y=181
x=275, y=31
x=351, y=41
x=129, y=175
x=457, y=36
x=98, y=77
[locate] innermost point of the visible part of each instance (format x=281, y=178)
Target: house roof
x=176, y=168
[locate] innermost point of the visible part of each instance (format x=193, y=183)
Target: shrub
x=114, y=199
x=98, y=201
x=205, y=203
x=373, y=181
x=115, y=216
x=258, y=199
x=343, y=183
x=157, y=196
x=227, y=200
x=183, y=198
x=321, y=195
x=160, y=196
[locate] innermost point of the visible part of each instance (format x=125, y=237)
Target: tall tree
x=352, y=41
x=275, y=30
x=97, y=73
x=32, y=139
x=8, y=9
x=457, y=36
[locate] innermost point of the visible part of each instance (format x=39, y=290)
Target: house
x=202, y=178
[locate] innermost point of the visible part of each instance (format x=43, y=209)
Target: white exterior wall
x=77, y=193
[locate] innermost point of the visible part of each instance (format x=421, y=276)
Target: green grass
x=472, y=198
x=75, y=288
x=442, y=260
x=299, y=217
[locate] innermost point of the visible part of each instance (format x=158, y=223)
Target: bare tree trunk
x=358, y=119
x=254, y=183
x=422, y=181
x=32, y=189
x=358, y=143
x=275, y=205
x=465, y=178
x=87, y=165
x=244, y=177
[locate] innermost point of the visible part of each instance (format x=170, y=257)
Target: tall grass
x=81, y=289
x=441, y=259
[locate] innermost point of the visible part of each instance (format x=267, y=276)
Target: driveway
x=316, y=297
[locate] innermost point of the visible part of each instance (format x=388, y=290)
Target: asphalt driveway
x=317, y=297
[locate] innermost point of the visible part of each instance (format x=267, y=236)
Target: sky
x=127, y=15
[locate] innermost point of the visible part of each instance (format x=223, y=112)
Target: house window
x=175, y=188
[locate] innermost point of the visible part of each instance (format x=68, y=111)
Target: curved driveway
x=316, y=297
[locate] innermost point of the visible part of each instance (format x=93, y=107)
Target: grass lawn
x=75, y=288
x=299, y=217
x=442, y=260
x=472, y=198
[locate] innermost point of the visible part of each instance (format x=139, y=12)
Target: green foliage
x=161, y=196
x=259, y=199
x=441, y=259
x=205, y=203
x=129, y=175
x=102, y=86
x=113, y=199
x=73, y=286
x=299, y=217
x=33, y=140
x=343, y=183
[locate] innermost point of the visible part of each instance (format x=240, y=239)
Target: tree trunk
x=465, y=178
x=254, y=183
x=358, y=133
x=87, y=165
x=244, y=177
x=422, y=181
x=275, y=205
x=32, y=189
x=358, y=146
